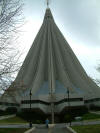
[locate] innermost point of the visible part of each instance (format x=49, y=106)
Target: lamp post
x=52, y=107
x=30, y=123
x=52, y=112
x=69, y=105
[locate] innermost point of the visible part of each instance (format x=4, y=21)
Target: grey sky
x=79, y=21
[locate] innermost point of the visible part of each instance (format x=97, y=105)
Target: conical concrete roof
x=51, y=66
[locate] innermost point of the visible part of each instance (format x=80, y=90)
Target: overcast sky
x=79, y=22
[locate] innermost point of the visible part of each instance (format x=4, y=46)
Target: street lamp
x=52, y=107
x=69, y=106
x=30, y=122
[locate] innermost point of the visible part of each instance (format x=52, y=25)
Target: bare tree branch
x=10, y=22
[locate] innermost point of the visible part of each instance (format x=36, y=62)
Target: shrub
x=94, y=108
x=11, y=110
x=68, y=118
x=33, y=116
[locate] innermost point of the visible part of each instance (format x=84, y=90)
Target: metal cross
x=47, y=3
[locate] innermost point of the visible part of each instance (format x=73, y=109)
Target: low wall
x=30, y=130
x=70, y=130
x=51, y=125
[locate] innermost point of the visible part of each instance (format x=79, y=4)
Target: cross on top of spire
x=48, y=2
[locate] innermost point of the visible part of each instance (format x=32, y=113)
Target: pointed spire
x=48, y=14
x=52, y=65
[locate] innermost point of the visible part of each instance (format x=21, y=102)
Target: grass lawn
x=87, y=129
x=13, y=120
x=90, y=116
x=12, y=130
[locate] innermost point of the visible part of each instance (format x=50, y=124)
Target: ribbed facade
x=49, y=70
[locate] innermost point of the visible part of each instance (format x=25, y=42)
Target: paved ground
x=51, y=130
x=95, y=112
x=41, y=126
x=7, y=116
x=57, y=128
x=86, y=123
x=14, y=126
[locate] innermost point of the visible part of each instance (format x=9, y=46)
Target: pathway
x=51, y=130
x=58, y=128
x=95, y=112
x=7, y=116
x=86, y=123
x=42, y=126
